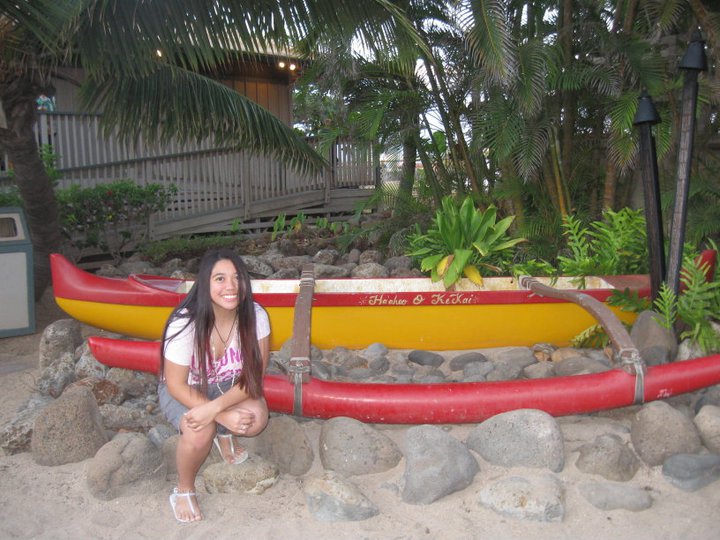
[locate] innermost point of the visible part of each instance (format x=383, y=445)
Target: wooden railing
x=208, y=178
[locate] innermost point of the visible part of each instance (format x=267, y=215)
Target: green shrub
x=10, y=197
x=185, y=247
x=109, y=217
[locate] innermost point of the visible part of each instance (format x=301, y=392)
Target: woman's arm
x=176, y=377
x=218, y=409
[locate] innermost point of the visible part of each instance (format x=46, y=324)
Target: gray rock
x=543, y=351
x=137, y=267
x=370, y=256
x=563, y=353
x=710, y=396
x=57, y=376
x=283, y=355
x=535, y=498
x=68, y=430
x=284, y=443
x=609, y=457
x=329, y=271
x=326, y=256
x=584, y=429
x=292, y=262
x=332, y=498
x=374, y=350
x=658, y=431
x=436, y=465
x=459, y=362
x=256, y=267
x=691, y=472
x=353, y=256
x=16, y=435
x=171, y=266
x=369, y=270
x=160, y=433
x=133, y=383
x=657, y=344
x=688, y=349
x=578, y=365
x=431, y=376
x=87, y=366
x=524, y=437
x=253, y=476
x=378, y=366
x=477, y=371
x=540, y=370
x=607, y=496
x=285, y=273
x=62, y=336
x=426, y=358
x=119, y=417
x=398, y=264
x=509, y=362
x=707, y=422
x=351, y=447
x=128, y=464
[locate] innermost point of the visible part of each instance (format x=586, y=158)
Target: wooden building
x=218, y=187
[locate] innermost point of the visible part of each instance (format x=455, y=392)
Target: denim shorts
x=174, y=410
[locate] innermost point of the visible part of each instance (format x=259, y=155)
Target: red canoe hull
x=448, y=403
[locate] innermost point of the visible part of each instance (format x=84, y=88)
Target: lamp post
x=645, y=117
x=692, y=64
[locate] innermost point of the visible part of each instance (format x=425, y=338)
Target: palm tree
x=115, y=42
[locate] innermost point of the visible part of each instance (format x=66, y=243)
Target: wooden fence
x=218, y=187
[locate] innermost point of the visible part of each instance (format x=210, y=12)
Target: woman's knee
x=259, y=407
x=199, y=440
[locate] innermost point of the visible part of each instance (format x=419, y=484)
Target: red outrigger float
x=451, y=403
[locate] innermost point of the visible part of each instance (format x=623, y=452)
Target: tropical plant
x=461, y=240
x=278, y=226
x=692, y=311
x=697, y=305
x=616, y=244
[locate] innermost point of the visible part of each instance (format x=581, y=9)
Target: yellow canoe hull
x=451, y=327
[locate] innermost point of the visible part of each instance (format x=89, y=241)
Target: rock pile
x=83, y=410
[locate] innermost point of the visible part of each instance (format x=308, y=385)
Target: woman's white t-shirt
x=180, y=349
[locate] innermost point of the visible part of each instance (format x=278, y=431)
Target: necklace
x=226, y=340
x=225, y=345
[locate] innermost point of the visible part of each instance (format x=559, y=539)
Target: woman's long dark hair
x=198, y=308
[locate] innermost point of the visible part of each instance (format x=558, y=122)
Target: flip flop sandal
x=188, y=496
x=239, y=458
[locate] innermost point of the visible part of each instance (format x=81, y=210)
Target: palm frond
x=174, y=102
x=489, y=39
x=530, y=89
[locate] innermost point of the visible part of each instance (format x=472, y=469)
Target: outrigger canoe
x=299, y=394
x=354, y=313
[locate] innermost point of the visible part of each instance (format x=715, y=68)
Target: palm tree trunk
x=608, y=200
x=407, y=177
x=36, y=190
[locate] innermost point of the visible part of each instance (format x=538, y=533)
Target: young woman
x=215, y=351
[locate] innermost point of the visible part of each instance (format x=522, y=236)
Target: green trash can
x=17, y=289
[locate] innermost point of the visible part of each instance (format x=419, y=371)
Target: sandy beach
x=54, y=502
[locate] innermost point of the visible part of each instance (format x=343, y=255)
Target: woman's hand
x=201, y=415
x=237, y=419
